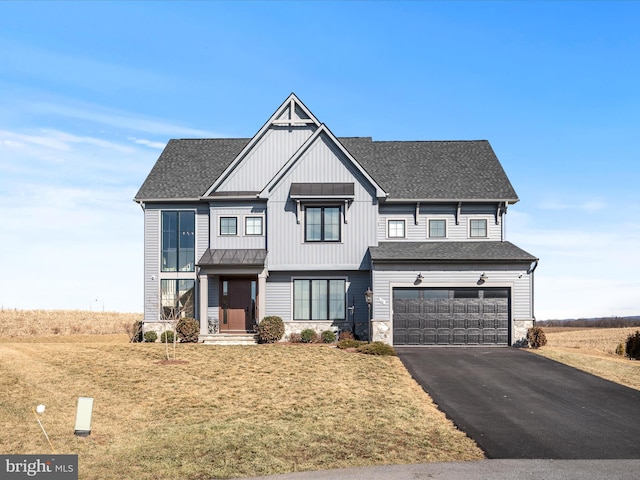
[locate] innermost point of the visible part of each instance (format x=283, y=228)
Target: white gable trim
x=289, y=105
x=380, y=193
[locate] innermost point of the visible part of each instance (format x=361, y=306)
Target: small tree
x=175, y=304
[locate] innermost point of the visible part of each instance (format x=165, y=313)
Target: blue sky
x=91, y=92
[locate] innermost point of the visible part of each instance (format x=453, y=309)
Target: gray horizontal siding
x=280, y=291
x=512, y=276
x=455, y=232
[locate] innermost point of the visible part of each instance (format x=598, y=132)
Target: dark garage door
x=455, y=316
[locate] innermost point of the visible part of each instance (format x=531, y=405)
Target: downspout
x=532, y=269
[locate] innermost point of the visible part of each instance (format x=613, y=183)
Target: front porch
x=231, y=295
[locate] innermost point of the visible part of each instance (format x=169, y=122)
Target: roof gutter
x=510, y=201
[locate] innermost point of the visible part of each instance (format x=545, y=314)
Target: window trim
x=345, y=281
x=245, y=218
x=446, y=227
x=404, y=227
x=486, y=228
x=322, y=207
x=223, y=217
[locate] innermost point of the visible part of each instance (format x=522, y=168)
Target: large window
x=395, y=229
x=478, y=227
x=178, y=299
x=319, y=299
x=437, y=228
x=322, y=224
x=178, y=241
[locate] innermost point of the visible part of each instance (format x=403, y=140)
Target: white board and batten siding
x=264, y=160
x=322, y=163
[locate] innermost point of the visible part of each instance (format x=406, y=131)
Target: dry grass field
x=220, y=412
x=593, y=350
x=29, y=323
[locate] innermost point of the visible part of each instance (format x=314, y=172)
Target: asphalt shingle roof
x=427, y=170
x=187, y=168
x=449, y=251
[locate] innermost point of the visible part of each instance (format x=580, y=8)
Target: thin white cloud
x=148, y=143
x=121, y=120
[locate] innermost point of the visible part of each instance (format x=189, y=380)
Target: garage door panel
x=443, y=336
x=429, y=336
x=489, y=336
x=460, y=336
x=473, y=336
x=414, y=336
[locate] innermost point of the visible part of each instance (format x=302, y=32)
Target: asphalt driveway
x=518, y=405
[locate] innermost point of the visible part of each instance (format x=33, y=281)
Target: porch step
x=229, y=339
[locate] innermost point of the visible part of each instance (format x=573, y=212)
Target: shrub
x=150, y=336
x=308, y=335
x=328, y=336
x=349, y=343
x=135, y=331
x=377, y=348
x=270, y=329
x=633, y=345
x=188, y=330
x=345, y=335
x=167, y=336
x=295, y=338
x=536, y=337
x=620, y=350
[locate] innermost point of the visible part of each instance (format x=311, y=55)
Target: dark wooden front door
x=236, y=305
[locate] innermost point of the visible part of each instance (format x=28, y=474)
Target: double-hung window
x=319, y=299
x=178, y=241
x=477, y=228
x=322, y=224
x=437, y=228
x=396, y=229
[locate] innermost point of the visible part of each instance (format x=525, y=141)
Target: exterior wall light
x=368, y=296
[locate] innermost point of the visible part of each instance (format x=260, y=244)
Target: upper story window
x=228, y=225
x=178, y=241
x=395, y=229
x=322, y=224
x=478, y=227
x=253, y=225
x=437, y=228
x=319, y=299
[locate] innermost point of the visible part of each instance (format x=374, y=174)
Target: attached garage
x=451, y=316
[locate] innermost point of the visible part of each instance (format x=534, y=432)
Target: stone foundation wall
x=319, y=327
x=520, y=327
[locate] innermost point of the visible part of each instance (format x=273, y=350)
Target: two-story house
x=401, y=241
